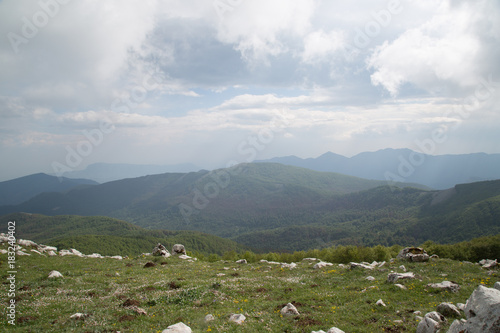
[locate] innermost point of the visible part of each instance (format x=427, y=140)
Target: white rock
x=341, y=266
x=209, y=317
x=482, y=310
x=403, y=268
x=138, y=310
x=237, y=318
x=117, y=257
x=322, y=264
x=335, y=330
x=2, y=251
x=26, y=243
x=436, y=316
x=310, y=259
x=178, y=328
x=76, y=253
x=382, y=264
x=458, y=326
x=37, y=252
x=46, y=248
x=241, y=261
x=393, y=277
x=94, y=255
x=400, y=286
x=55, y=274
x=417, y=313
x=488, y=263
x=445, y=285
x=221, y=274
x=274, y=262
x=183, y=256
x=78, y=315
x=497, y=285
x=362, y=265
x=289, y=310
x=263, y=261
x=380, y=303
x=370, y=278
x=461, y=306
x=448, y=310
x=21, y=253
x=428, y=325
x=51, y=253
x=289, y=266
x=178, y=249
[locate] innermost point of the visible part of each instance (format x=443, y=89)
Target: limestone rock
x=21, y=253
x=26, y=243
x=445, y=285
x=117, y=257
x=370, y=278
x=51, y=253
x=55, y=274
x=241, y=261
x=209, y=318
x=289, y=266
x=416, y=254
x=322, y=264
x=78, y=316
x=289, y=310
x=94, y=255
x=138, y=310
x=178, y=328
x=393, y=277
x=331, y=330
x=400, y=286
x=310, y=259
x=380, y=303
x=482, y=310
x=497, y=285
x=160, y=250
x=237, y=318
x=178, y=249
x=458, y=326
x=448, y=310
x=403, y=268
x=428, y=325
x=362, y=265
x=488, y=263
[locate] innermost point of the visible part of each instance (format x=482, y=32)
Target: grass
x=187, y=291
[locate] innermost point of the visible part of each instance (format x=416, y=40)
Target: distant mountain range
x=106, y=172
x=16, y=191
x=271, y=206
x=405, y=165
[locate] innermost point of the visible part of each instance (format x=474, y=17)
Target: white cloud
x=445, y=51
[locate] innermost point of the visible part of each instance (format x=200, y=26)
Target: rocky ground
x=79, y=293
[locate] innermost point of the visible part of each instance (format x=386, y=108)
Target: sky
x=219, y=82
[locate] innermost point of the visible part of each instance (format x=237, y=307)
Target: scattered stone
x=461, y=306
x=448, y=310
x=458, y=326
x=310, y=259
x=21, y=253
x=393, y=277
x=55, y=274
x=209, y=318
x=178, y=249
x=221, y=274
x=178, y=328
x=417, y=313
x=289, y=266
x=380, y=303
x=117, y=257
x=488, y=263
x=415, y=254
x=331, y=330
x=482, y=310
x=37, y=252
x=138, y=310
x=322, y=264
x=46, y=248
x=400, y=286
x=263, y=261
x=241, y=261
x=160, y=250
x=382, y=264
x=497, y=285
x=290, y=310
x=445, y=285
x=403, y=268
x=431, y=323
x=51, y=253
x=370, y=278
x=26, y=243
x=362, y=265
x=2, y=251
x=94, y=255
x=78, y=316
x=237, y=318
x=184, y=257
x=341, y=266
x=434, y=256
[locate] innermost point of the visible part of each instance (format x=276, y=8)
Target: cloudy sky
x=213, y=82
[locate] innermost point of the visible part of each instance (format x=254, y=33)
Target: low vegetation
x=173, y=290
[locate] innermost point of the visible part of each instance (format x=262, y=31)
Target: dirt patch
x=173, y=285
x=126, y=318
x=394, y=329
x=307, y=321
x=131, y=302
x=25, y=319
x=261, y=290
x=149, y=264
x=25, y=287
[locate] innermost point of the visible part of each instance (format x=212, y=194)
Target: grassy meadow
x=175, y=290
